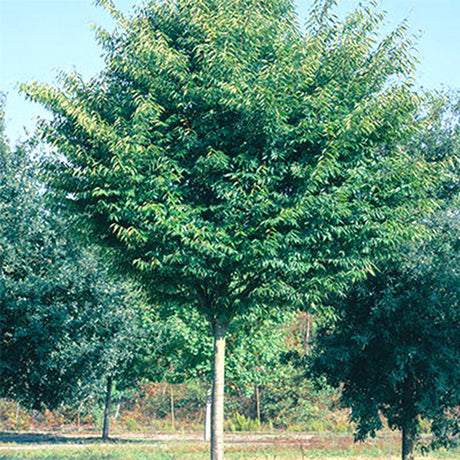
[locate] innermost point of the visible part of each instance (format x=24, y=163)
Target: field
x=167, y=446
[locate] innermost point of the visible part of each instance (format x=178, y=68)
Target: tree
x=232, y=161
x=66, y=324
x=177, y=349
x=439, y=139
x=395, y=347
x=257, y=345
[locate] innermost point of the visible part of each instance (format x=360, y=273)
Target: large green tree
x=232, y=160
x=67, y=326
x=395, y=348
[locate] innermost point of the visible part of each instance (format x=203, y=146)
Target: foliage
x=241, y=423
x=439, y=138
x=256, y=346
x=175, y=347
x=229, y=158
x=65, y=323
x=396, y=345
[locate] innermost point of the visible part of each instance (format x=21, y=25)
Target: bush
x=241, y=423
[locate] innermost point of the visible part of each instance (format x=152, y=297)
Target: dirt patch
x=307, y=441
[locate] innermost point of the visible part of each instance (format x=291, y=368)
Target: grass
x=185, y=452
x=282, y=446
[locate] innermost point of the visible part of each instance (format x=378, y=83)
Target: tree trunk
x=108, y=395
x=172, y=409
x=117, y=411
x=79, y=414
x=408, y=440
x=258, y=404
x=217, y=425
x=207, y=421
x=307, y=336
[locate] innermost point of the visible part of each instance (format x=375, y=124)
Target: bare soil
x=303, y=440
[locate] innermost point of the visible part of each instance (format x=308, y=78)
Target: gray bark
x=108, y=397
x=173, y=424
x=117, y=411
x=217, y=422
x=207, y=421
x=408, y=441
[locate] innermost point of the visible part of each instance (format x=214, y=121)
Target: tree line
x=231, y=164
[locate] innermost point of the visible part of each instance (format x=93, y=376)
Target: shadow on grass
x=48, y=438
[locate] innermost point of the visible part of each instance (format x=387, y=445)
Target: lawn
x=255, y=446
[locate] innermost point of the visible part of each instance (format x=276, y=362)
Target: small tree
x=177, y=350
x=395, y=347
x=258, y=344
x=231, y=160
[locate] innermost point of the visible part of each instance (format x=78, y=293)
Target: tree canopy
x=65, y=323
x=226, y=153
x=395, y=347
x=231, y=159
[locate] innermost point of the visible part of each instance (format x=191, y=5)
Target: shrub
x=241, y=423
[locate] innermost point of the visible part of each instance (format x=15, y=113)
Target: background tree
x=256, y=347
x=177, y=350
x=231, y=160
x=66, y=324
x=396, y=345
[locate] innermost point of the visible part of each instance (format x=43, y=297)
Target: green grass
x=198, y=451
x=189, y=446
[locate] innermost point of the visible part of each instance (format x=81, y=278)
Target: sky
x=39, y=37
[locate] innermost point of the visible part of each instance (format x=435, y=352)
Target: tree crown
x=227, y=156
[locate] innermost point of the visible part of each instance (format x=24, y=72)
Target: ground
x=185, y=446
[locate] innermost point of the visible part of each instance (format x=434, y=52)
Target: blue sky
x=37, y=37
